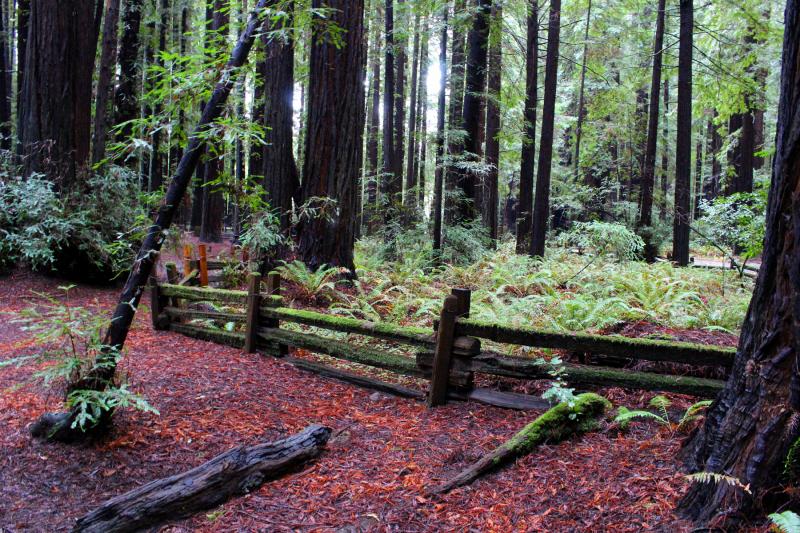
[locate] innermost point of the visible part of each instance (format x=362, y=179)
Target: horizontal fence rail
x=449, y=357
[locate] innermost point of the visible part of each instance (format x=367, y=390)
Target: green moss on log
x=208, y=334
x=204, y=294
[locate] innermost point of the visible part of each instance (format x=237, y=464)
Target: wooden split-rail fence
x=449, y=356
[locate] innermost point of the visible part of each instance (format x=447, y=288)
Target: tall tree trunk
x=281, y=179
x=475, y=86
x=698, y=179
x=400, y=57
x=420, y=161
x=23, y=24
x=649, y=170
x=683, y=147
x=664, y=154
x=126, y=96
x=410, y=198
x=108, y=62
x=5, y=67
x=524, y=207
x=156, y=170
x=438, y=183
x=334, y=142
x=541, y=208
x=493, y=123
x=391, y=187
x=711, y=186
x=456, y=107
x=752, y=424
x=57, y=91
x=373, y=135
x=581, y=95
x=213, y=219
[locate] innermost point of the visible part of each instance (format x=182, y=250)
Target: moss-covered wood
x=581, y=375
x=195, y=314
x=555, y=425
x=355, y=379
x=342, y=350
x=208, y=334
x=648, y=349
x=205, y=294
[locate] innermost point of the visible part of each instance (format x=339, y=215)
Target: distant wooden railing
x=449, y=355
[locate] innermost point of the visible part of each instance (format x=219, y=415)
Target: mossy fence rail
x=449, y=355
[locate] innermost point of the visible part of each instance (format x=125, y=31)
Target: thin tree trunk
x=711, y=187
x=156, y=170
x=373, y=135
x=698, y=179
x=475, y=86
x=334, y=142
x=400, y=59
x=581, y=95
x=391, y=187
x=541, y=208
x=752, y=425
x=683, y=150
x=126, y=101
x=108, y=62
x=23, y=17
x=438, y=184
x=664, y=154
x=457, y=69
x=5, y=67
x=524, y=206
x=649, y=171
x=420, y=161
x=493, y=123
x=410, y=198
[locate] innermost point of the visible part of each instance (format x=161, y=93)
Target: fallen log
x=235, y=472
x=555, y=425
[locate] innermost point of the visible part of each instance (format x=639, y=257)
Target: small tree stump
x=238, y=471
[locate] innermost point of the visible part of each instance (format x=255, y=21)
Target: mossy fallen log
x=616, y=345
x=555, y=425
x=342, y=350
x=236, y=472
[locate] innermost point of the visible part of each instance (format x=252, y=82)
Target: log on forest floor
x=232, y=473
x=555, y=425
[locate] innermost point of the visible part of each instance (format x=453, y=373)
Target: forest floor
x=373, y=476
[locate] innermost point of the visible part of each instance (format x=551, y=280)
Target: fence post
x=253, y=303
x=201, y=251
x=187, y=259
x=157, y=304
x=464, y=298
x=440, y=374
x=274, y=289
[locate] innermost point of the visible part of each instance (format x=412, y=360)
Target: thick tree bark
x=108, y=62
x=57, y=427
x=581, y=95
x=753, y=423
x=233, y=473
x=649, y=171
x=683, y=147
x=57, y=90
x=334, y=140
x=493, y=123
x=126, y=100
x=438, y=184
x=526, y=179
x=541, y=207
x=281, y=179
x=475, y=86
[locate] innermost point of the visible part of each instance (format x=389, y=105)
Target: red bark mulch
x=373, y=476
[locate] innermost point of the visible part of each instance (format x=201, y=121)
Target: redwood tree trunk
x=753, y=422
x=126, y=101
x=683, y=147
x=23, y=18
x=525, y=204
x=410, y=197
x=438, y=184
x=493, y=123
x=334, y=139
x=581, y=94
x=391, y=187
x=57, y=89
x=373, y=134
x=541, y=208
x=477, y=46
x=281, y=180
x=456, y=106
x=649, y=170
x=400, y=60
x=5, y=96
x=108, y=62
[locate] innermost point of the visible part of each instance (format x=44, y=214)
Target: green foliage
x=661, y=404
x=603, y=238
x=314, y=284
x=262, y=236
x=737, y=221
x=785, y=522
x=71, y=348
x=89, y=232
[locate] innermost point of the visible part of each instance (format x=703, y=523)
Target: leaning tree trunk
x=754, y=422
x=525, y=203
x=541, y=206
x=649, y=171
x=57, y=90
x=58, y=427
x=683, y=147
x=334, y=139
x=279, y=168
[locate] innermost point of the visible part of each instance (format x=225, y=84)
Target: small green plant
x=785, y=522
x=603, y=238
x=661, y=404
x=71, y=348
x=262, y=237
x=313, y=284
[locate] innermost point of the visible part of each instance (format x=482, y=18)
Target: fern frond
x=786, y=522
x=714, y=477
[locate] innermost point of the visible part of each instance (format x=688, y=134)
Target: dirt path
x=372, y=477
